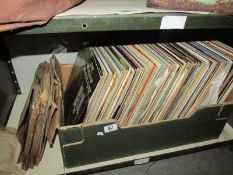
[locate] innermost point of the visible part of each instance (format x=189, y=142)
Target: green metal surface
x=149, y=21
x=86, y=147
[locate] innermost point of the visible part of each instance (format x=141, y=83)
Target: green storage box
x=87, y=144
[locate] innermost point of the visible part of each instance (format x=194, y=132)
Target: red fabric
x=20, y=13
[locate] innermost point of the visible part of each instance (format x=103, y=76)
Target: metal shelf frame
x=146, y=21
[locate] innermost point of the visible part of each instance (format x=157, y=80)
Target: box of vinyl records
x=215, y=6
x=123, y=100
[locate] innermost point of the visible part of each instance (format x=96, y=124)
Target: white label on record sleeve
x=173, y=22
x=110, y=128
x=141, y=161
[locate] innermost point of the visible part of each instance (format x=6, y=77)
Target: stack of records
x=146, y=83
x=133, y=84
x=41, y=115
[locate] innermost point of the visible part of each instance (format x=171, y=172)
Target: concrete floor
x=218, y=161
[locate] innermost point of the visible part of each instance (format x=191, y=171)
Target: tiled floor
x=218, y=161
